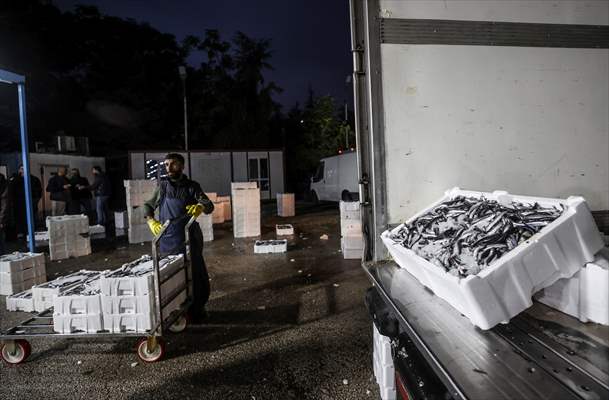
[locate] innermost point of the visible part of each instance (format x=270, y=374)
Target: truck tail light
x=401, y=387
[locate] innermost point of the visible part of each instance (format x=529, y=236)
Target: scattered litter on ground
x=345, y=382
x=336, y=285
x=292, y=260
x=300, y=271
x=133, y=364
x=262, y=308
x=78, y=362
x=324, y=237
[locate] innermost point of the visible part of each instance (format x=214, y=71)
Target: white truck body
x=335, y=176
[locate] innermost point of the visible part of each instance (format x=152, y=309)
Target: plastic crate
x=504, y=288
x=585, y=295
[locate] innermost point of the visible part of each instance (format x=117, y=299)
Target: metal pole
x=25, y=160
x=185, y=114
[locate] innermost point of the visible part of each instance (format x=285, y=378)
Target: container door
x=258, y=171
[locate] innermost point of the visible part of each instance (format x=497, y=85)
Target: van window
x=319, y=174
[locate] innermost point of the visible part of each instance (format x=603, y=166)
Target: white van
x=336, y=178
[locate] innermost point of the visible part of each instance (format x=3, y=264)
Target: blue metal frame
x=12, y=78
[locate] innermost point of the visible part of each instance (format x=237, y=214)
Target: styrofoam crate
x=388, y=393
x=244, y=185
x=120, y=220
x=226, y=206
x=140, y=322
x=270, y=246
x=350, y=215
x=504, y=289
x=384, y=370
x=352, y=242
x=284, y=229
x=206, y=224
x=22, y=301
x=15, y=262
x=286, y=206
x=23, y=275
x=43, y=293
x=348, y=206
x=350, y=227
x=113, y=284
x=81, y=299
x=9, y=288
x=89, y=323
x=97, y=231
x=139, y=234
x=127, y=304
x=218, y=213
x=585, y=295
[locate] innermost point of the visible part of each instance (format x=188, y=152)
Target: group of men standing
x=69, y=195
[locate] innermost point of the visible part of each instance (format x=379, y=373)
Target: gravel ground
x=283, y=326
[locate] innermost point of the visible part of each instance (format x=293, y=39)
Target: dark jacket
x=4, y=200
x=184, y=184
x=79, y=194
x=101, y=185
x=55, y=188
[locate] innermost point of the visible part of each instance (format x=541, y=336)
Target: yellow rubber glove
x=194, y=210
x=155, y=226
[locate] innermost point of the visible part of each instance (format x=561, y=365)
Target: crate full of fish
x=270, y=246
x=487, y=253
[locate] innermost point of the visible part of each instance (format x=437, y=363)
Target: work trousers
x=58, y=208
x=200, y=277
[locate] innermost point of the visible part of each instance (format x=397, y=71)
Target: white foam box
x=585, y=295
x=243, y=185
x=140, y=322
x=9, y=288
x=350, y=227
x=41, y=238
x=89, y=323
x=284, y=229
x=22, y=301
x=270, y=246
x=16, y=262
x=139, y=233
x=286, y=206
x=83, y=299
x=246, y=211
x=43, y=293
x=226, y=207
x=206, y=224
x=68, y=236
x=218, y=214
x=97, y=231
x=23, y=275
x=384, y=370
x=505, y=288
x=120, y=220
x=127, y=304
x=112, y=284
x=346, y=206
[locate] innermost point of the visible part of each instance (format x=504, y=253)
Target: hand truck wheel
x=150, y=349
x=16, y=351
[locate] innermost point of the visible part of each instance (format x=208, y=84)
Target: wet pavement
x=281, y=326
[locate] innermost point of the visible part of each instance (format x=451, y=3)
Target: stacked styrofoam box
x=270, y=246
x=23, y=301
x=79, y=308
x=284, y=229
x=285, y=205
x=138, y=192
x=384, y=370
x=226, y=206
x=505, y=288
x=21, y=271
x=217, y=215
x=128, y=293
x=43, y=294
x=585, y=295
x=97, y=231
x=207, y=228
x=246, y=209
x=68, y=236
x=121, y=220
x=41, y=238
x=351, y=242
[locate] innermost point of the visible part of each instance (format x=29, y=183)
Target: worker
x=102, y=188
x=81, y=195
x=17, y=184
x=59, y=189
x=4, y=207
x=178, y=198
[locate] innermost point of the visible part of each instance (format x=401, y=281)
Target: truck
x=336, y=178
x=483, y=95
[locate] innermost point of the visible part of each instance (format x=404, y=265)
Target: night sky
x=310, y=38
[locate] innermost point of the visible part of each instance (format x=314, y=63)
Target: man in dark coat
x=179, y=198
x=17, y=183
x=102, y=188
x=80, y=200
x=59, y=188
